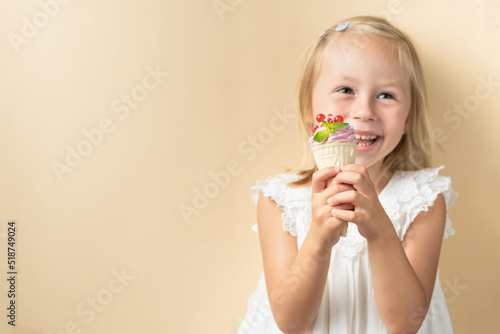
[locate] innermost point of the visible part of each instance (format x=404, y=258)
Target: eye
x=387, y=96
x=345, y=90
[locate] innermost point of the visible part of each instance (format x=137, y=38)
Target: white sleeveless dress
x=348, y=304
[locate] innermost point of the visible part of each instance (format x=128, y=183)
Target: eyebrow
x=348, y=78
x=391, y=84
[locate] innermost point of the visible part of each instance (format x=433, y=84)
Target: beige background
x=230, y=73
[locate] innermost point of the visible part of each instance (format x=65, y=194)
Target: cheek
x=312, y=113
x=396, y=128
x=401, y=121
x=408, y=123
x=401, y=129
x=317, y=106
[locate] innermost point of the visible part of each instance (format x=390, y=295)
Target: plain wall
x=157, y=98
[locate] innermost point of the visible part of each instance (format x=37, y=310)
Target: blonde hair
x=410, y=153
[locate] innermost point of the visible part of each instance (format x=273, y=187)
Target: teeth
x=365, y=137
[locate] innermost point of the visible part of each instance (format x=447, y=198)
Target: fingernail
x=333, y=212
x=329, y=201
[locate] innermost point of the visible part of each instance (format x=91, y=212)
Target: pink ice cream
x=345, y=134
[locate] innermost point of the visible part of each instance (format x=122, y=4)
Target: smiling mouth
x=365, y=140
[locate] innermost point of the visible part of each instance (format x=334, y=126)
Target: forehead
x=358, y=54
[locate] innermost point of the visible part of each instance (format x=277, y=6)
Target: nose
x=363, y=109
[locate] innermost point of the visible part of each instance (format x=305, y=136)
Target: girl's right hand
x=324, y=227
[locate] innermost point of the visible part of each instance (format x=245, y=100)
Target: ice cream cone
x=335, y=154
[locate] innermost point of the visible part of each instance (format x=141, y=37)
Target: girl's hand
x=368, y=213
x=325, y=228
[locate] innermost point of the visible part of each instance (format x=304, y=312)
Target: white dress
x=348, y=304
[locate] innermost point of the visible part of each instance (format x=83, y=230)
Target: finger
x=336, y=223
x=321, y=177
x=353, y=168
x=334, y=228
x=360, y=181
x=335, y=188
x=345, y=215
x=346, y=197
x=345, y=206
x=348, y=177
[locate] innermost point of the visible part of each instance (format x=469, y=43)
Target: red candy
x=315, y=128
x=320, y=117
x=338, y=119
x=330, y=114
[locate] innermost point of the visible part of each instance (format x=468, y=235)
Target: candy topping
x=338, y=119
x=320, y=117
x=329, y=126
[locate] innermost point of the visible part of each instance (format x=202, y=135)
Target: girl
x=382, y=277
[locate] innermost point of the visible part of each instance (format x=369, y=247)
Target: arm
x=403, y=273
x=296, y=279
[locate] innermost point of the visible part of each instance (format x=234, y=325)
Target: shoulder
x=277, y=188
x=426, y=183
x=410, y=193
x=274, y=195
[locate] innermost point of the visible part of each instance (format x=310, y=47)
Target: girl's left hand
x=368, y=213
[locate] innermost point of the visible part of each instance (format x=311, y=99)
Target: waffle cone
x=335, y=154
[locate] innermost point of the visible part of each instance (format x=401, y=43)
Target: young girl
x=383, y=276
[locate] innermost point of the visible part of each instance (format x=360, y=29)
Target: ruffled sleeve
x=415, y=191
x=288, y=199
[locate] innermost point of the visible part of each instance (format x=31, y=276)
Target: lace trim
x=285, y=197
x=406, y=195
x=415, y=191
x=352, y=243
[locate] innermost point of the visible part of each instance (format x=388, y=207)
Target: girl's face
x=361, y=80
